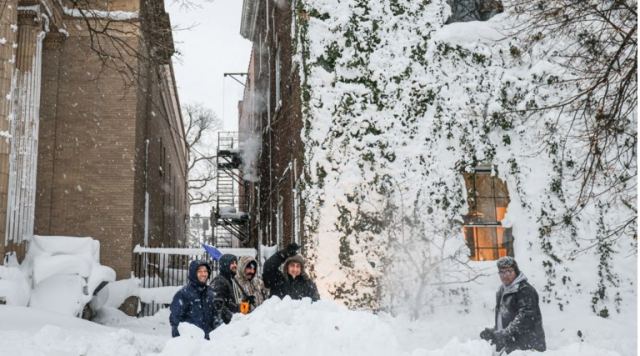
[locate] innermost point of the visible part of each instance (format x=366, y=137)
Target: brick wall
x=87, y=148
x=8, y=17
x=103, y=141
x=280, y=125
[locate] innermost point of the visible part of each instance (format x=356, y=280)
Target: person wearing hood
x=518, y=321
x=292, y=279
x=194, y=303
x=249, y=290
x=223, y=287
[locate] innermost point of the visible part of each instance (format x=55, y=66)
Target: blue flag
x=212, y=251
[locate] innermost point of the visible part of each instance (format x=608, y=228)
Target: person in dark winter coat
x=518, y=321
x=292, y=280
x=194, y=303
x=223, y=287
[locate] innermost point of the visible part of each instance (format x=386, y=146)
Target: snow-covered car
x=64, y=274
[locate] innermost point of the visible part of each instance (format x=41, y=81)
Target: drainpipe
x=146, y=192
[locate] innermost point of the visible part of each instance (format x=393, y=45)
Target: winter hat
x=508, y=262
x=253, y=264
x=295, y=258
x=193, y=270
x=225, y=264
x=243, y=262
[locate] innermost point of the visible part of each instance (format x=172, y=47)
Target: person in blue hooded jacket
x=194, y=303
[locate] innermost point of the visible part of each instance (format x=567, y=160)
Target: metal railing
x=164, y=267
x=228, y=180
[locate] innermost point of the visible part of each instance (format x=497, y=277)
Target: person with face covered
x=248, y=288
x=222, y=285
x=194, y=303
x=292, y=280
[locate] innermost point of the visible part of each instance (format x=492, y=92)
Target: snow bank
x=58, y=274
x=14, y=286
x=31, y=332
x=288, y=327
x=293, y=328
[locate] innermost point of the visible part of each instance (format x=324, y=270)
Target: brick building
x=98, y=143
x=271, y=114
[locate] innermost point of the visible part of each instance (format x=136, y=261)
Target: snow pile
x=292, y=328
x=117, y=292
x=14, y=285
x=59, y=274
x=287, y=327
x=32, y=332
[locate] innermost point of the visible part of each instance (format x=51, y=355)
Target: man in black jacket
x=518, y=321
x=222, y=285
x=292, y=280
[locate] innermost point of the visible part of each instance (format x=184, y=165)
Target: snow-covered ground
x=300, y=328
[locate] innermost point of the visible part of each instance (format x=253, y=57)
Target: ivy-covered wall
x=396, y=105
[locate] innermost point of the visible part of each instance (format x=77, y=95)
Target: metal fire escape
x=228, y=217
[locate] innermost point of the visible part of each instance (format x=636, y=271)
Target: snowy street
x=318, y=178
x=296, y=328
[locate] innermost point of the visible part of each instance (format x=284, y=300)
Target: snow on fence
x=158, y=267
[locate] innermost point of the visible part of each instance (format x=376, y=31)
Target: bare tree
x=593, y=138
x=123, y=41
x=200, y=123
x=602, y=58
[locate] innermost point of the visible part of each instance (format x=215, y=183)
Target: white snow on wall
x=399, y=106
x=100, y=14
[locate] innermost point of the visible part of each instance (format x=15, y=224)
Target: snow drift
x=292, y=328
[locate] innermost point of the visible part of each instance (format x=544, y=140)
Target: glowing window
x=488, y=199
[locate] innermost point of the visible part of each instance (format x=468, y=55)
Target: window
x=488, y=199
x=473, y=10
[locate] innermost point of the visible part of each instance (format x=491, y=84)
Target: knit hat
x=295, y=258
x=508, y=262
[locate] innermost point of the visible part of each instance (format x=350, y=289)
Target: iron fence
x=164, y=267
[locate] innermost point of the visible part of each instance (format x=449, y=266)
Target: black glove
x=290, y=250
x=487, y=334
x=251, y=299
x=226, y=315
x=500, y=338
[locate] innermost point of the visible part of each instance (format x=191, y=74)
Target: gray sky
x=210, y=44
